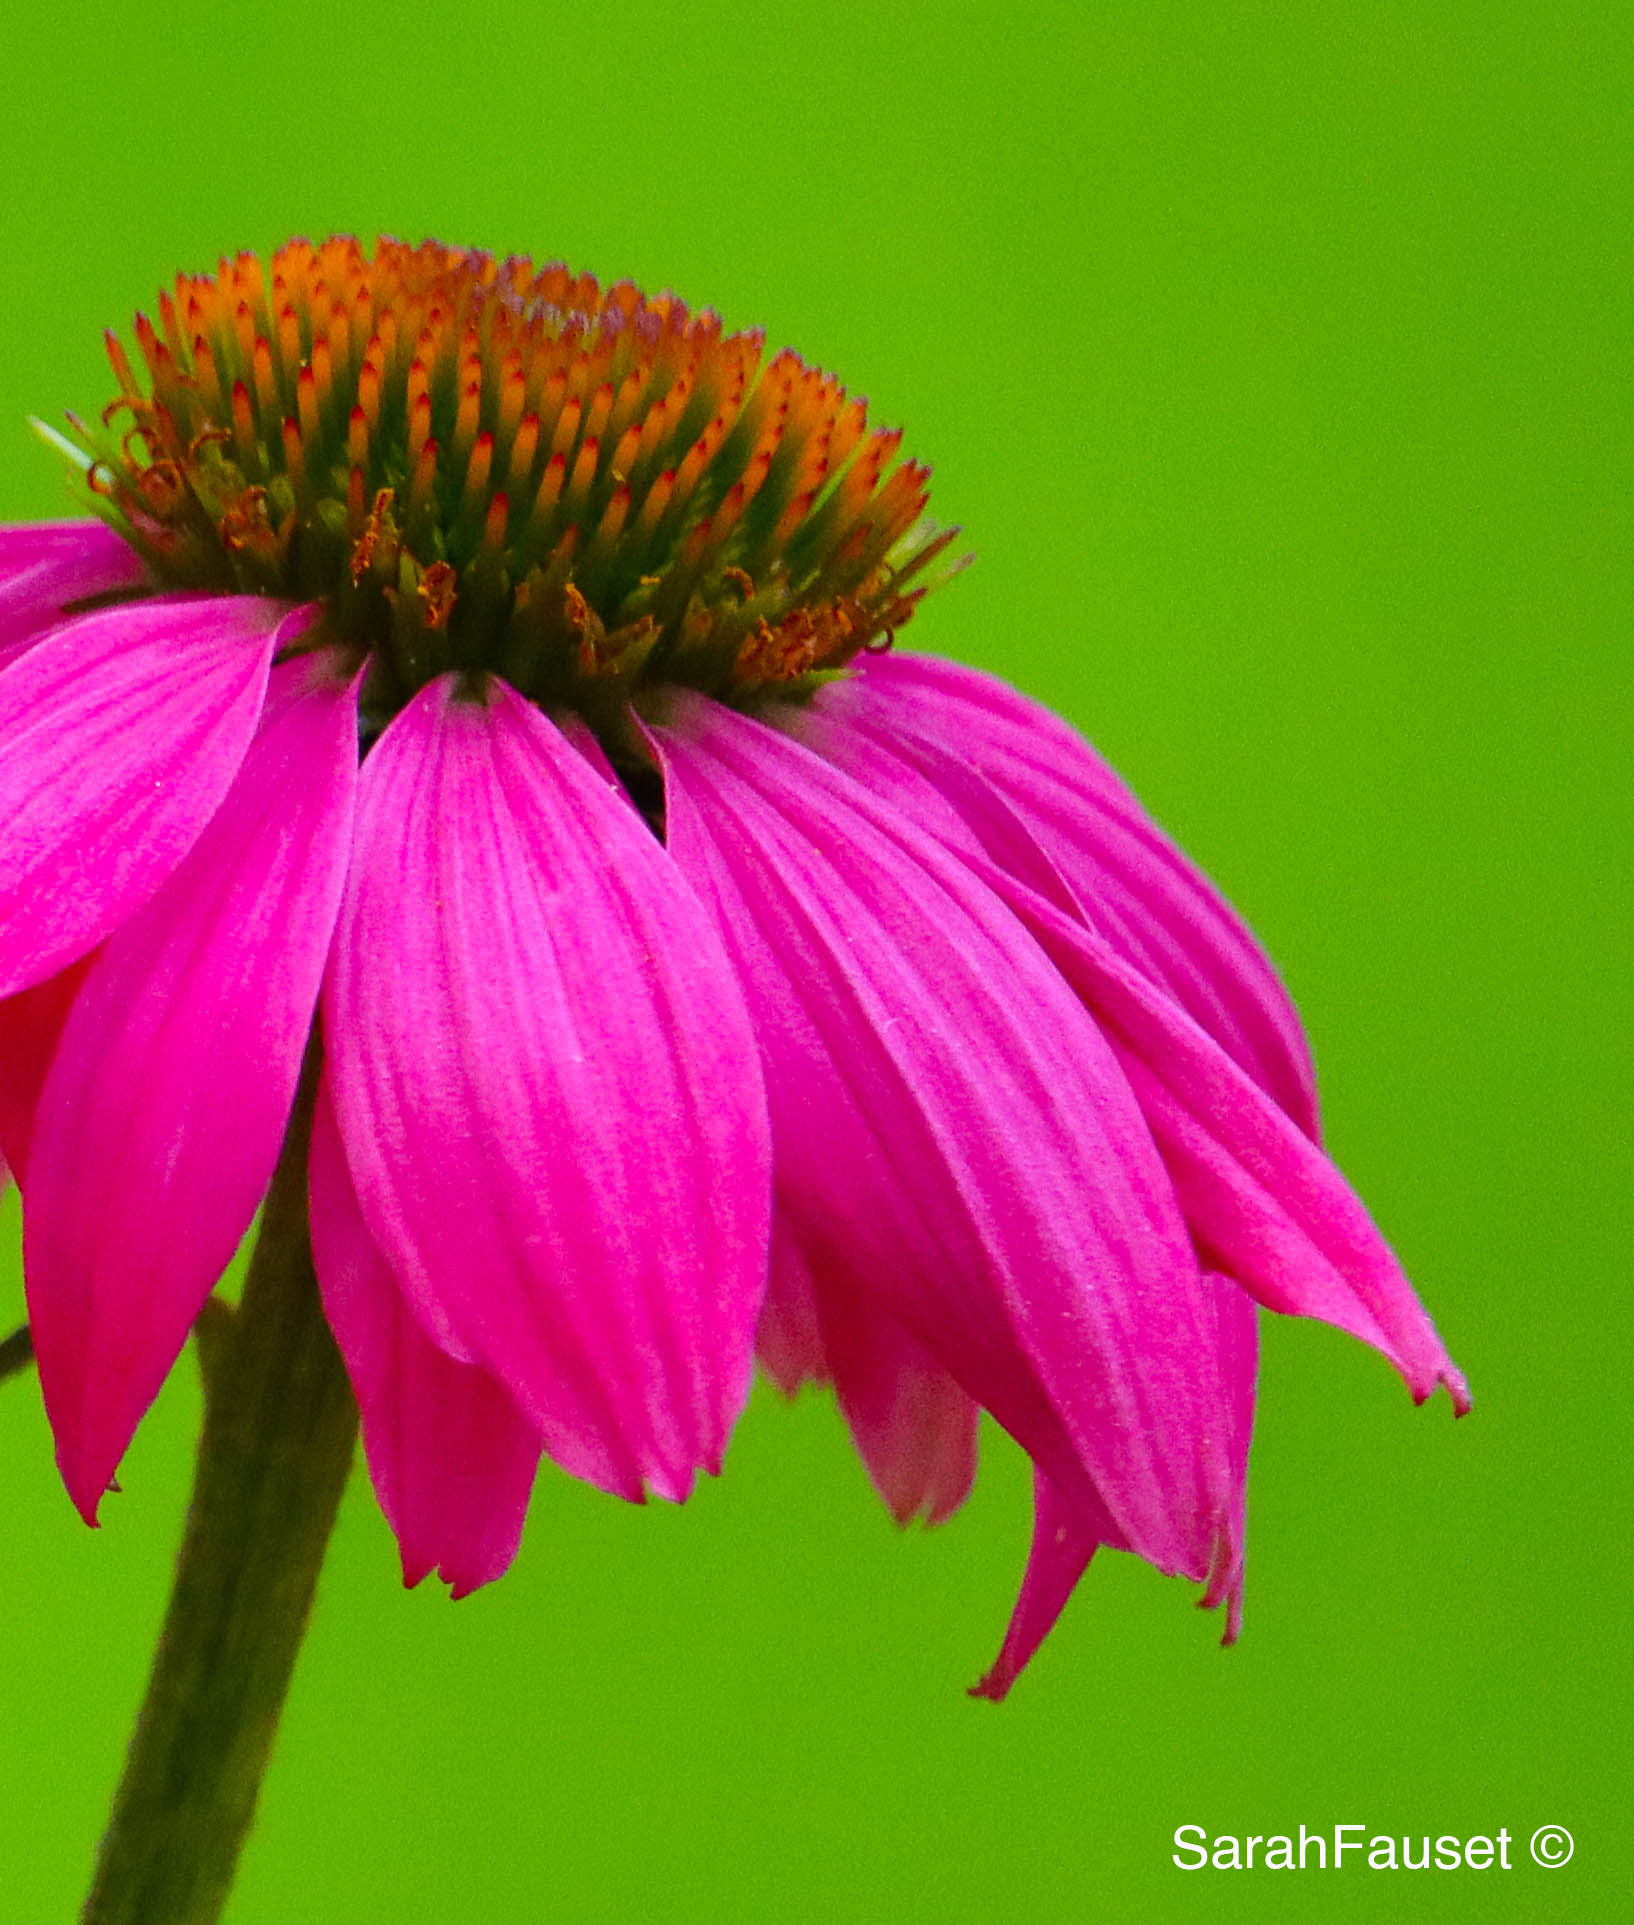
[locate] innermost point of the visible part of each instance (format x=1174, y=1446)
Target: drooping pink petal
x=951, y=1128
x=1142, y=893
x=1259, y=1196
x=119, y=734
x=452, y=1458
x=165, y=1103
x=48, y=565
x=913, y=1426
x=789, y=1339
x=1066, y=1535
x=1239, y=1362
x=1262, y=1202
x=548, y=1090
x=30, y=1029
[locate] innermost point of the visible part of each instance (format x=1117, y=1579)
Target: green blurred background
x=1274, y=360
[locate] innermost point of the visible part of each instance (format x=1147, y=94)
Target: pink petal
x=1067, y=1535
x=452, y=1458
x=579, y=735
x=30, y=1029
x=46, y=565
x=119, y=733
x=165, y=1104
x=548, y=1090
x=789, y=1339
x=1260, y=1199
x=1258, y=1194
x=914, y=1428
x=950, y=1127
x=1135, y=886
x=1239, y=1362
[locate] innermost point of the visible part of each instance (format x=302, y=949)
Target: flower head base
x=483, y=465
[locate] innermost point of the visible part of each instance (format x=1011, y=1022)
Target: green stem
x=279, y=1429
x=16, y=1352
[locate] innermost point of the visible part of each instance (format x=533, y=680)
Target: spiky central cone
x=483, y=465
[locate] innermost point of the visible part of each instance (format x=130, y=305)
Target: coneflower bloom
x=487, y=676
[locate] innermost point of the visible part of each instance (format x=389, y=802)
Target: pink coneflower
x=474, y=690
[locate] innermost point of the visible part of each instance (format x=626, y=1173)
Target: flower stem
x=16, y=1352
x=279, y=1428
